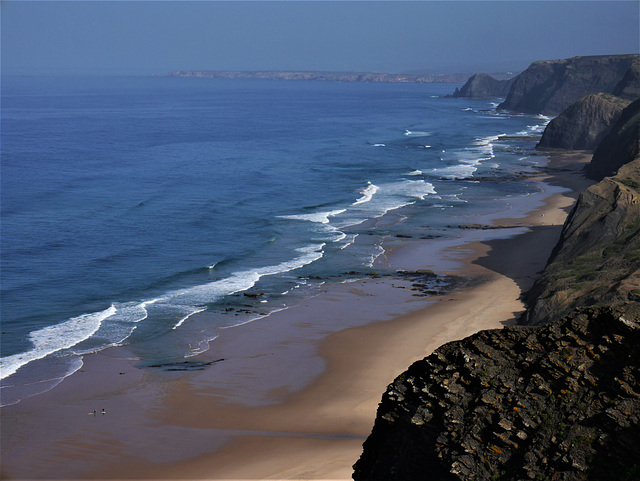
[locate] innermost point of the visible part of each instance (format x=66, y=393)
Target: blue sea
x=133, y=206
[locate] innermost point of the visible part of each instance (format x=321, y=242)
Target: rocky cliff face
x=583, y=124
x=559, y=402
x=558, y=399
x=483, y=86
x=597, y=260
x=629, y=86
x=548, y=87
x=620, y=145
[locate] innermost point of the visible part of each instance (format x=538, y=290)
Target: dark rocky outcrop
x=550, y=86
x=483, y=86
x=583, y=124
x=559, y=402
x=620, y=145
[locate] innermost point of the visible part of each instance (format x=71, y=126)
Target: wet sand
x=294, y=395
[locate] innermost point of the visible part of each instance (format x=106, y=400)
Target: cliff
x=558, y=402
x=629, y=86
x=548, y=87
x=583, y=124
x=558, y=398
x=483, y=86
x=622, y=144
x=597, y=259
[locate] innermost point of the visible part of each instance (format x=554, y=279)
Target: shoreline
x=297, y=429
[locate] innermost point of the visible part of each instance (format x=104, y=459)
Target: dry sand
x=294, y=398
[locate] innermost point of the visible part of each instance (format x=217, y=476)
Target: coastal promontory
x=484, y=86
x=583, y=124
x=548, y=87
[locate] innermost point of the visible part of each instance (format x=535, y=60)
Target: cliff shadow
x=523, y=257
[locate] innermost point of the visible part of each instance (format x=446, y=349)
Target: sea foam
x=55, y=338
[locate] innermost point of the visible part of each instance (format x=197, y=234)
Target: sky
x=156, y=37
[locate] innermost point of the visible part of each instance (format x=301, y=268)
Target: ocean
x=131, y=206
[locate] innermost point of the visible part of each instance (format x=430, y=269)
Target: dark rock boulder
x=548, y=87
x=561, y=402
x=483, y=86
x=620, y=145
x=583, y=124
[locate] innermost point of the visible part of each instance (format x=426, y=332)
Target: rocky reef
x=558, y=402
x=583, y=124
x=548, y=87
x=484, y=86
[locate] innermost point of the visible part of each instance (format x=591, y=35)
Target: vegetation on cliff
x=597, y=260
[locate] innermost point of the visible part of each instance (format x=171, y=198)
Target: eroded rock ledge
x=557, y=402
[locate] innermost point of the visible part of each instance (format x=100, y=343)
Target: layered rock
x=558, y=402
x=548, y=87
x=483, y=86
x=583, y=124
x=621, y=144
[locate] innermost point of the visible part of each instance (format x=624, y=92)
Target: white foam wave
x=242, y=280
x=415, y=172
x=453, y=172
x=367, y=193
x=414, y=188
x=181, y=321
x=54, y=338
x=319, y=217
x=352, y=239
x=379, y=145
x=416, y=133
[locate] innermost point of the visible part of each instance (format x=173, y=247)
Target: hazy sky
x=155, y=37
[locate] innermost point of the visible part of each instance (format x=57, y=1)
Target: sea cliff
x=557, y=397
x=484, y=86
x=548, y=87
x=597, y=259
x=583, y=124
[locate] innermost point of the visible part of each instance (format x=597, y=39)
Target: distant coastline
x=378, y=77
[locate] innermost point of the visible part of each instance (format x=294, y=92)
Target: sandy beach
x=293, y=396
